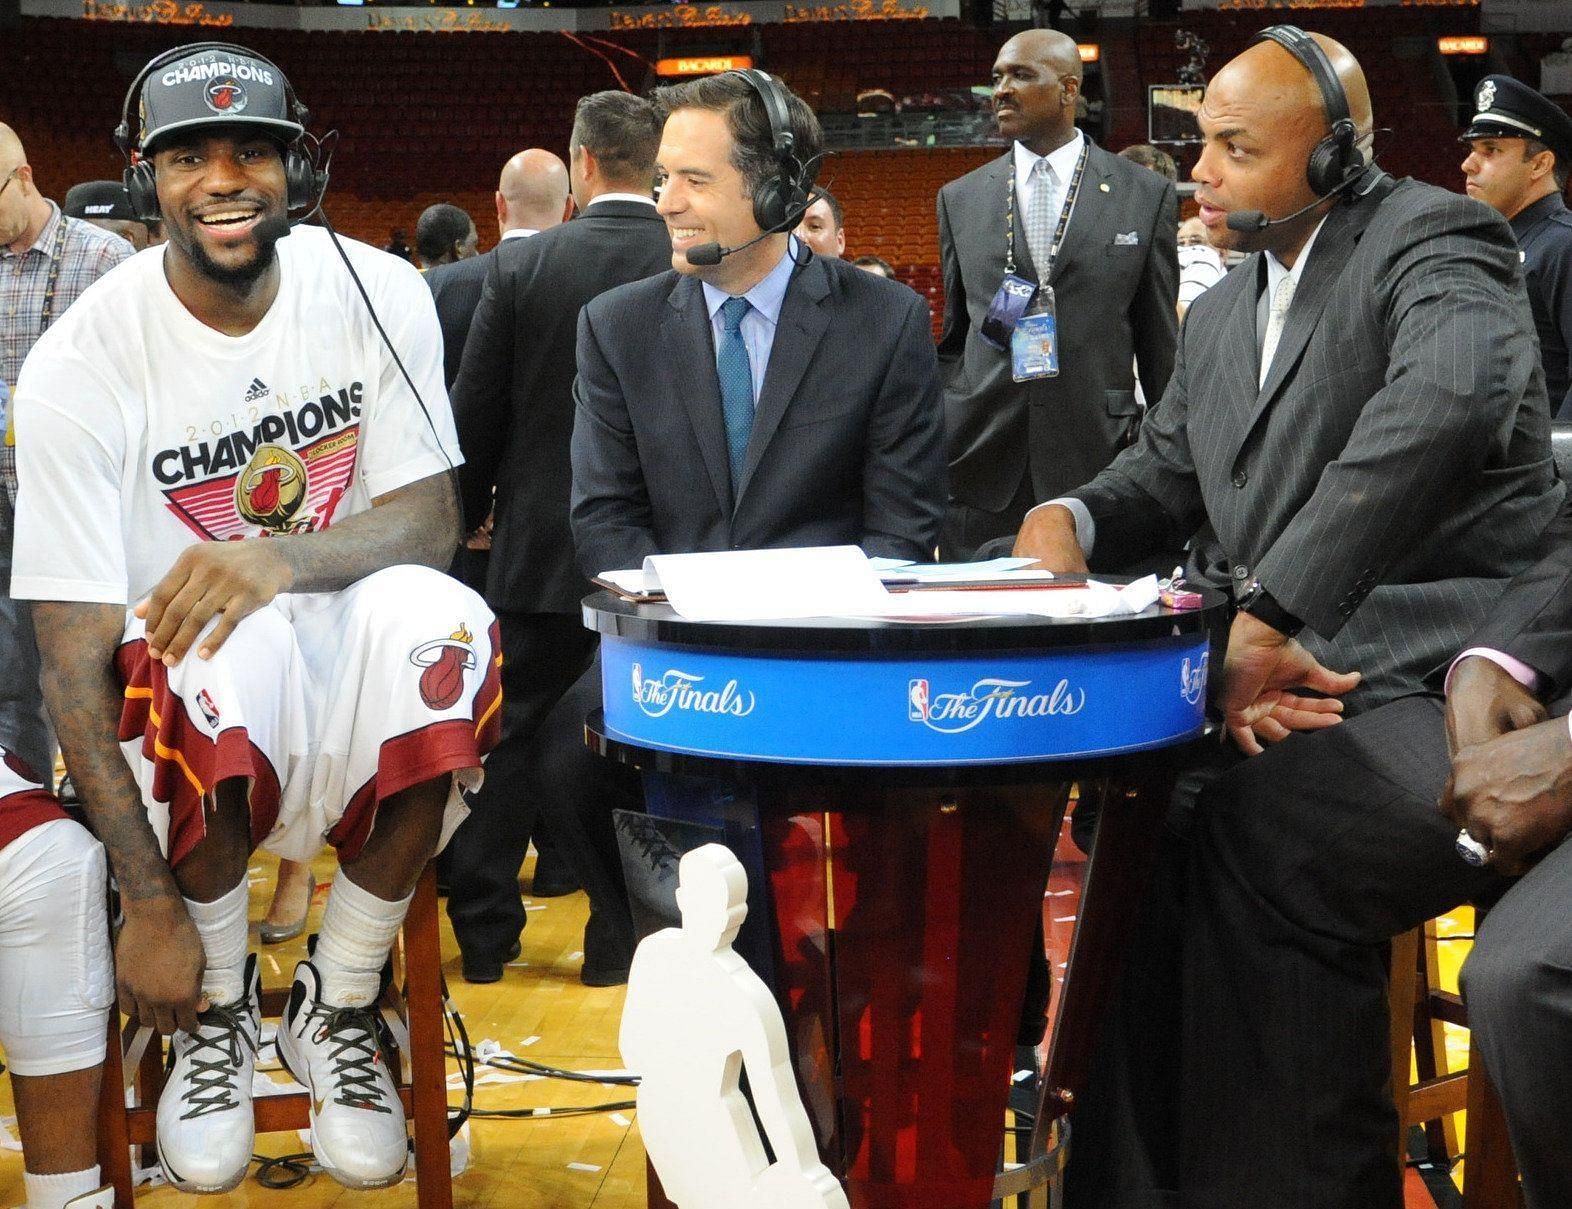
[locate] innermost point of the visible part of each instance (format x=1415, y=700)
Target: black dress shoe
x=597, y=975
x=487, y=969
x=553, y=881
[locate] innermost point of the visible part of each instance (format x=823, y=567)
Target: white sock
x=222, y=926
x=53, y=1191
x=357, y=935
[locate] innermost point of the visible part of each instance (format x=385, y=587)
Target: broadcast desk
x=896, y=792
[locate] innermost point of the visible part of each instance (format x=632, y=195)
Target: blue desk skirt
x=947, y=709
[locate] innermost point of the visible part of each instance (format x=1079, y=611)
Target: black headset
x=775, y=200
x=306, y=183
x=1336, y=160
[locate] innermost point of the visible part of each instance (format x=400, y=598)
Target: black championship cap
x=98, y=199
x=1508, y=108
x=215, y=87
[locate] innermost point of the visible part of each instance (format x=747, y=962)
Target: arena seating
x=428, y=117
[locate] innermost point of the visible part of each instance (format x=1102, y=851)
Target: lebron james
x=230, y=510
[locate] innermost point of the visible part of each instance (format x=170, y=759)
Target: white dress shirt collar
x=1276, y=270
x=623, y=197
x=1061, y=161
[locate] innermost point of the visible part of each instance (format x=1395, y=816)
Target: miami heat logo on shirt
x=285, y=474
x=271, y=488
x=445, y=661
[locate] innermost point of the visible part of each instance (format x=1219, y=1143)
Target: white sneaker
x=357, y=1121
x=104, y=1198
x=205, y=1126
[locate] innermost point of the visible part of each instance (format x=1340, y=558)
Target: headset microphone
x=272, y=229
x=705, y=255
x=1253, y=220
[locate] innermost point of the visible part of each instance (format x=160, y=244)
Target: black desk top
x=612, y=616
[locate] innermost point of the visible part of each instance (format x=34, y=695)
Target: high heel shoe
x=272, y=932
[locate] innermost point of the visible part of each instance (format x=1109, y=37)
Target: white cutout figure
x=695, y=1016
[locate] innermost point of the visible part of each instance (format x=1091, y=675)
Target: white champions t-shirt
x=141, y=431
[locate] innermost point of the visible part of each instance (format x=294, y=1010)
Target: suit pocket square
x=1127, y=239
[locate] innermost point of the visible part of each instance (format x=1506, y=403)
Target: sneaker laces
x=211, y=1087
x=351, y=1034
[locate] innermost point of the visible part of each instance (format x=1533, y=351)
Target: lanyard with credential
x=1034, y=341
x=53, y=281
x=1044, y=271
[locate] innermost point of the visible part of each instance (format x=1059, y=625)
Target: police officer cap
x=216, y=88
x=98, y=199
x=1508, y=108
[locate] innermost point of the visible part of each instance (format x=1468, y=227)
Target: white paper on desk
x=1094, y=600
x=631, y=583
x=939, y=572
x=767, y=585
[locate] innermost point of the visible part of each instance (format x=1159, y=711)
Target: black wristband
x=1263, y=606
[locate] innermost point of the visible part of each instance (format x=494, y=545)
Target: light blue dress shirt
x=758, y=325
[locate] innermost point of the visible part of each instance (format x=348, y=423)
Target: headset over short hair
x=783, y=190
x=1336, y=160
x=306, y=182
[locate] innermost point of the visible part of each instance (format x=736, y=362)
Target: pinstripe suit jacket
x=1394, y=470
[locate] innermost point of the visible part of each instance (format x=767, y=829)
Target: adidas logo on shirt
x=257, y=390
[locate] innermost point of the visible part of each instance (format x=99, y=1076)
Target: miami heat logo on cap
x=270, y=489
x=445, y=661
x=225, y=95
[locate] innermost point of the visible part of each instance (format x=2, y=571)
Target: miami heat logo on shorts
x=269, y=491
x=445, y=661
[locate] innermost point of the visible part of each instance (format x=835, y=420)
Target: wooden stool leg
x=428, y=1066
x=1430, y=1057
x=1403, y=994
x=114, y=1136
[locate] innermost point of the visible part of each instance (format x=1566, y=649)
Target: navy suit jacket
x=456, y=288
x=848, y=441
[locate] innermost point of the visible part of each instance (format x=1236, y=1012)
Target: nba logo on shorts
x=917, y=701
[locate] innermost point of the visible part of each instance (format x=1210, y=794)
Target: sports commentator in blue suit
x=755, y=396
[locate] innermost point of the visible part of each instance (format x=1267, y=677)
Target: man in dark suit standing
x=754, y=396
x=513, y=402
x=1358, y=413
x=1114, y=279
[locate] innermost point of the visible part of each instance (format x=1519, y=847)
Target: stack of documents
x=841, y=582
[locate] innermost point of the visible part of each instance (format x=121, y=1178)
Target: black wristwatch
x=1263, y=606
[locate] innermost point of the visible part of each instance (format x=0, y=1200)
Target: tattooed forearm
x=415, y=524
x=77, y=643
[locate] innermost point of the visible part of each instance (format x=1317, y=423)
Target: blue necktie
x=736, y=386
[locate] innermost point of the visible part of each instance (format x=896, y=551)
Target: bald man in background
x=532, y=196
x=1357, y=411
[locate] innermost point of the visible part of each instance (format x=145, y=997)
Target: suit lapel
x=803, y=319
x=996, y=200
x=1238, y=367
x=1094, y=213
x=686, y=332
